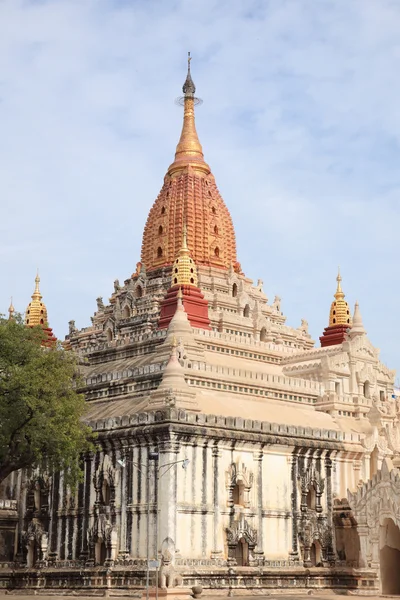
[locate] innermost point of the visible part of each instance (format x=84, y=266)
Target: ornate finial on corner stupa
x=340, y=312
x=36, y=294
x=11, y=311
x=339, y=292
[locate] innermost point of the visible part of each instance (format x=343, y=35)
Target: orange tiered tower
x=36, y=314
x=339, y=319
x=189, y=196
x=185, y=286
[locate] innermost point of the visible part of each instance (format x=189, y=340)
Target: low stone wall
x=222, y=581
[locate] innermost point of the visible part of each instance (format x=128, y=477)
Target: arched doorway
x=242, y=553
x=389, y=557
x=315, y=554
x=100, y=552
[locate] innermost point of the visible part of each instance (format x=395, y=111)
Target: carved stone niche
x=376, y=510
x=102, y=541
x=316, y=540
x=35, y=544
x=105, y=482
x=239, y=481
x=312, y=487
x=242, y=540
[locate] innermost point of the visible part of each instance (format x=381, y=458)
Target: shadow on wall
x=389, y=557
x=347, y=538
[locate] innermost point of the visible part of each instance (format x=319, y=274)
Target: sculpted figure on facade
x=169, y=577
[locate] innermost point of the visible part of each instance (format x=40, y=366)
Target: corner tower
x=189, y=197
x=36, y=315
x=339, y=319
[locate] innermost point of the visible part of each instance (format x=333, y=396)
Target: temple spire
x=358, y=326
x=339, y=292
x=11, y=311
x=189, y=150
x=339, y=318
x=340, y=312
x=36, y=294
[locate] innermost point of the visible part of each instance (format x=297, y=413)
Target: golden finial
x=36, y=312
x=174, y=343
x=11, y=311
x=36, y=294
x=340, y=312
x=339, y=293
x=189, y=150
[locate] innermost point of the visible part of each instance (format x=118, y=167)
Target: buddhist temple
x=233, y=453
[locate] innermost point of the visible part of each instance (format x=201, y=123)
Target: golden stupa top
x=36, y=311
x=184, y=269
x=11, y=311
x=189, y=150
x=340, y=311
x=190, y=197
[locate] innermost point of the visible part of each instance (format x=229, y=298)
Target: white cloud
x=300, y=125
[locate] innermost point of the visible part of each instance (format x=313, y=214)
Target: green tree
x=40, y=409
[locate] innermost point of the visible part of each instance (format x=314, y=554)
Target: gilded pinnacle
x=11, y=310
x=340, y=312
x=339, y=293
x=189, y=150
x=188, y=87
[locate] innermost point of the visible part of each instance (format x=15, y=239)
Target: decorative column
x=52, y=555
x=331, y=549
x=168, y=451
x=84, y=552
x=258, y=457
x=128, y=502
x=294, y=554
x=123, y=502
x=216, y=552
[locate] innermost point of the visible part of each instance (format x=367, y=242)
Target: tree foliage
x=40, y=410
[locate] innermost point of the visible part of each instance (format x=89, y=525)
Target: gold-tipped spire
x=340, y=312
x=339, y=293
x=189, y=150
x=11, y=311
x=36, y=312
x=184, y=270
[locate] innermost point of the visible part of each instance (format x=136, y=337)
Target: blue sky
x=300, y=124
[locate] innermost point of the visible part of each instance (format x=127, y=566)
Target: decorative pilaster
x=52, y=556
x=331, y=547
x=259, y=553
x=294, y=554
x=168, y=451
x=216, y=552
x=84, y=553
x=123, y=502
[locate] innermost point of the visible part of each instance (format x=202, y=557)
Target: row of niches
x=163, y=229
x=243, y=353
x=264, y=334
x=240, y=389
